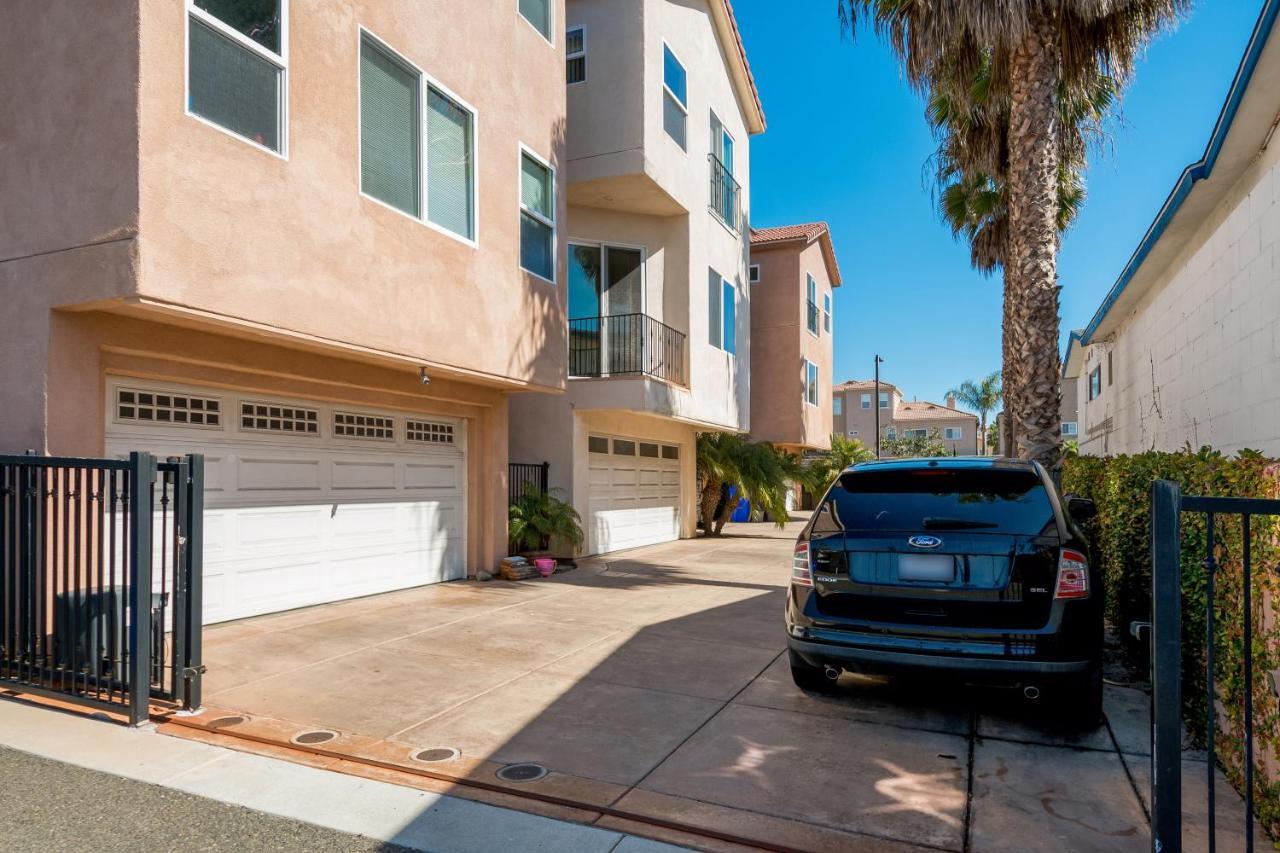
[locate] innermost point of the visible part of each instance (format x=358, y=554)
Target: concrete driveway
x=655, y=682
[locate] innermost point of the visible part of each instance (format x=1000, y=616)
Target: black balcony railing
x=725, y=194
x=626, y=344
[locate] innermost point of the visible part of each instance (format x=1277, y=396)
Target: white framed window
x=597, y=444
x=675, y=97
x=670, y=451
x=810, y=383
x=537, y=216
x=624, y=447
x=237, y=64
x=417, y=143
x=891, y=433
x=811, y=304
x=826, y=313
x=431, y=432
x=837, y=406
x=884, y=399
x=722, y=312
x=953, y=433
x=753, y=273
x=357, y=425
x=575, y=55
x=1070, y=428
x=866, y=401
x=160, y=407
x=278, y=417
x=538, y=14
x=916, y=432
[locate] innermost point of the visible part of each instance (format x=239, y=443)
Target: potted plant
x=537, y=521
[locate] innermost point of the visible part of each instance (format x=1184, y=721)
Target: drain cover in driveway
x=526, y=772
x=312, y=738
x=433, y=755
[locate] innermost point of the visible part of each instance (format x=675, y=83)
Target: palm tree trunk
x=1031, y=317
x=707, y=504
x=1008, y=367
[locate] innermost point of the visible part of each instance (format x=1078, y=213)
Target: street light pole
x=876, y=403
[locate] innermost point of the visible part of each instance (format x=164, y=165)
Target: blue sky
x=847, y=142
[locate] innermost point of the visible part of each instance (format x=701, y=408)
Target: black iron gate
x=100, y=579
x=525, y=478
x=1167, y=506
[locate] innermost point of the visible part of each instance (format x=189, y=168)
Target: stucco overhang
x=1073, y=358
x=1244, y=125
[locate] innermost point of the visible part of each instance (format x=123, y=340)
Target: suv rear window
x=916, y=499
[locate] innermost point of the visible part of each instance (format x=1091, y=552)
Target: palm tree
x=758, y=471
x=1034, y=50
x=981, y=396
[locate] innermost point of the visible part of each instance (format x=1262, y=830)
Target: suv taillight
x=801, y=575
x=1073, y=575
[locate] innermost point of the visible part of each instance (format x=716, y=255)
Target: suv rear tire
x=811, y=678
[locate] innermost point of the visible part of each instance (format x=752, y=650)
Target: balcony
x=726, y=195
x=626, y=345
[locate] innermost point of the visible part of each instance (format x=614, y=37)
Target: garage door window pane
x=669, y=452
x=596, y=444
x=623, y=448
x=648, y=450
x=233, y=87
x=388, y=129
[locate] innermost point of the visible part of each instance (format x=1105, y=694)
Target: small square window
x=648, y=450
x=753, y=273
x=670, y=451
x=623, y=448
x=597, y=444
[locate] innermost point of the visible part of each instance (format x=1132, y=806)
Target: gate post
x=142, y=474
x=193, y=565
x=1166, y=659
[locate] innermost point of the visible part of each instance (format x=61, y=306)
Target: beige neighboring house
x=258, y=237
x=661, y=107
x=793, y=274
x=854, y=416
x=1184, y=348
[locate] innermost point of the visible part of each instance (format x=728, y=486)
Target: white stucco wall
x=1195, y=361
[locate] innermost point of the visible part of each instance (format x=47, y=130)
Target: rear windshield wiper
x=933, y=523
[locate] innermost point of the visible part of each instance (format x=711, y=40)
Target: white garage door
x=634, y=493
x=306, y=502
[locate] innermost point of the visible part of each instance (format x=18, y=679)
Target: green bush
x=1120, y=542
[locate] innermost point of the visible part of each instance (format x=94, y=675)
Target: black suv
x=963, y=567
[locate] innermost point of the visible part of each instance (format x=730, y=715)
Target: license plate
x=934, y=568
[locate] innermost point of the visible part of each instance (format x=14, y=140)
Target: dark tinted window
x=919, y=499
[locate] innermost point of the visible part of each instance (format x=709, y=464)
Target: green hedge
x=1121, y=545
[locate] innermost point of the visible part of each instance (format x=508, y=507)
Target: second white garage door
x=306, y=503
x=634, y=493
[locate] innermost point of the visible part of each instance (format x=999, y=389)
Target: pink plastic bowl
x=546, y=566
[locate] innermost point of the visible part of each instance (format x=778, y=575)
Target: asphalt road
x=46, y=805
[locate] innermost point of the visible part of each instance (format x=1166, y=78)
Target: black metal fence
x=622, y=344
x=726, y=194
x=526, y=477
x=1167, y=506
x=100, y=579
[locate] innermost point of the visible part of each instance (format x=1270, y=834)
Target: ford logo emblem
x=924, y=541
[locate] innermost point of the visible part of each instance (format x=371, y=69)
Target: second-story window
x=575, y=53
x=811, y=383
x=537, y=13
x=537, y=217
x=392, y=150
x=826, y=313
x=675, y=97
x=236, y=61
x=884, y=399
x=866, y=401
x=722, y=312
x=753, y=273
x=724, y=189
x=1095, y=383
x=811, y=304
x=837, y=406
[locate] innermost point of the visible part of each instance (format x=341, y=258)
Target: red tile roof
x=806, y=231
x=921, y=410
x=746, y=67
x=865, y=385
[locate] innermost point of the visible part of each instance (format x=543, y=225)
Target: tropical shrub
x=821, y=471
x=540, y=520
x=915, y=445
x=1121, y=546
x=758, y=471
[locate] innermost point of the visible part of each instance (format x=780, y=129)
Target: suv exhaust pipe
x=1031, y=692
x=831, y=673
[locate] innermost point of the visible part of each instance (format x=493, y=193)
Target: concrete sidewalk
x=64, y=792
